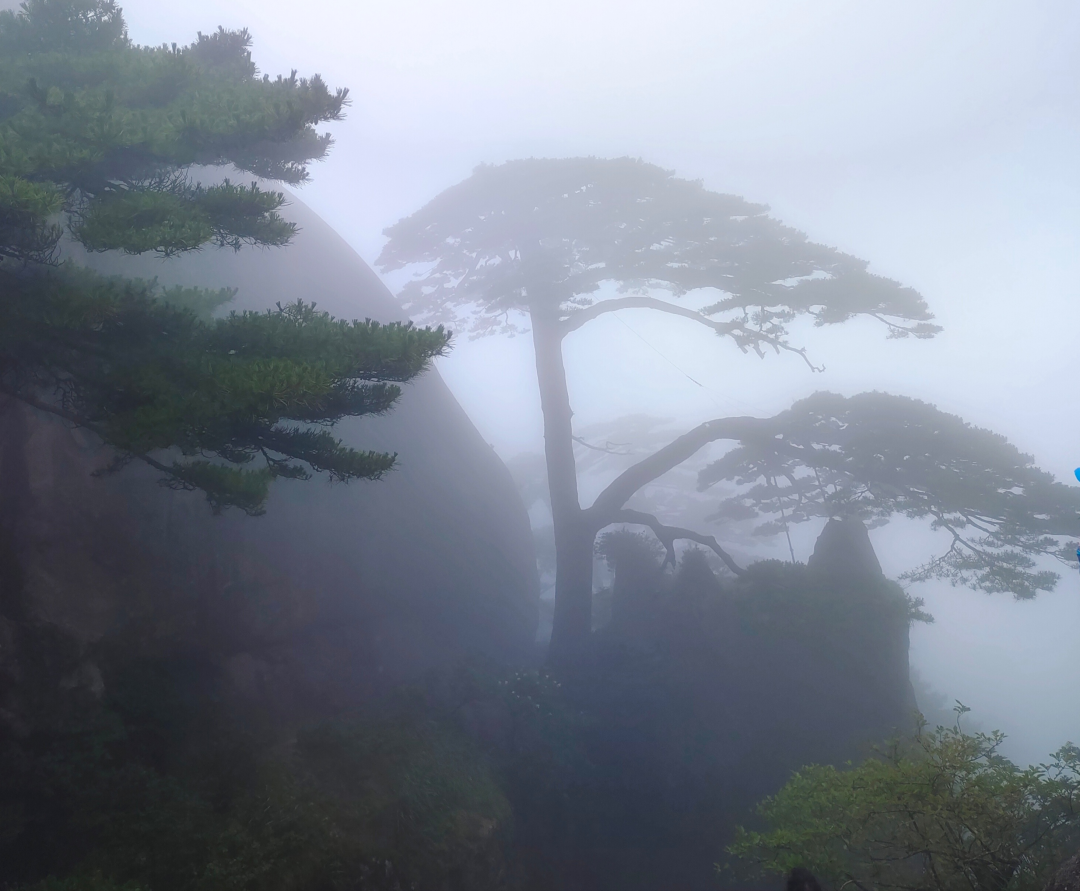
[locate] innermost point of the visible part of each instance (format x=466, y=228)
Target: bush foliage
x=99, y=138
x=943, y=812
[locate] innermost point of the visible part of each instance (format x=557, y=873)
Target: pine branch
x=745, y=337
x=671, y=456
x=580, y=317
x=668, y=535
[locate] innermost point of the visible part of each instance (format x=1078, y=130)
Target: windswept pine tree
x=876, y=456
x=99, y=138
x=538, y=239
x=534, y=242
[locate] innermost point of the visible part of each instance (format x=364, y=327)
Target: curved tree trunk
x=576, y=529
x=574, y=533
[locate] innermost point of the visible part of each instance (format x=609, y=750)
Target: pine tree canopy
x=98, y=138
x=875, y=456
x=563, y=242
x=525, y=233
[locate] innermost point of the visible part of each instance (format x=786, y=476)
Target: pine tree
x=98, y=138
x=876, y=456
x=540, y=237
x=536, y=240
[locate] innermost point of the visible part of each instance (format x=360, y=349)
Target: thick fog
x=937, y=140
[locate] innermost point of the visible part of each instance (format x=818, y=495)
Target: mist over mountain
x=934, y=141
x=494, y=445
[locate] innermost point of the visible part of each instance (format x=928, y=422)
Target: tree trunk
x=572, y=622
x=574, y=534
x=14, y=501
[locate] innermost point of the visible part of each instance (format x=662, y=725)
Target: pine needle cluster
x=98, y=140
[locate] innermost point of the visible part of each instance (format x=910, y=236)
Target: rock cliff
x=1067, y=878
x=338, y=592
x=705, y=694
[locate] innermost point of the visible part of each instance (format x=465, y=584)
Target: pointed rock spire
x=843, y=552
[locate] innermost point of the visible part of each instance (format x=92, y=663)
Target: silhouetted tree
x=540, y=238
x=875, y=456
x=97, y=140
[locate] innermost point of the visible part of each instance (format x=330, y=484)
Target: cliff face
x=338, y=592
x=1067, y=878
x=705, y=695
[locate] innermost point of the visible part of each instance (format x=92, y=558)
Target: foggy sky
x=938, y=140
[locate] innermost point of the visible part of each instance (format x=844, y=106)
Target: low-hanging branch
x=876, y=456
x=60, y=412
x=581, y=317
x=671, y=456
x=668, y=535
x=745, y=338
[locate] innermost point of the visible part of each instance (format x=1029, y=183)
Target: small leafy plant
x=944, y=811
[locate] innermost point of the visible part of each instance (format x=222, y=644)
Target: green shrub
x=944, y=812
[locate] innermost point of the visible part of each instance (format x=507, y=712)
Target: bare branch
x=639, y=301
x=779, y=345
x=669, y=534
x=72, y=418
x=51, y=409
x=745, y=338
x=607, y=447
x=672, y=455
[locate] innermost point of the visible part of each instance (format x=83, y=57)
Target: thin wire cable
x=660, y=354
x=714, y=396
x=712, y=393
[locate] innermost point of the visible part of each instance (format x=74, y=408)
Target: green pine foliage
x=550, y=233
x=97, y=140
x=875, y=455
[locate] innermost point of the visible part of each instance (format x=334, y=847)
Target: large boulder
x=337, y=593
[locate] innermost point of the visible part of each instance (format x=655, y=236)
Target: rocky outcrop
x=1067, y=878
x=844, y=560
x=338, y=592
x=704, y=694
x=843, y=551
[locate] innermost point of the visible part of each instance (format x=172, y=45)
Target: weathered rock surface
x=706, y=695
x=1067, y=878
x=338, y=592
x=844, y=557
x=843, y=551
